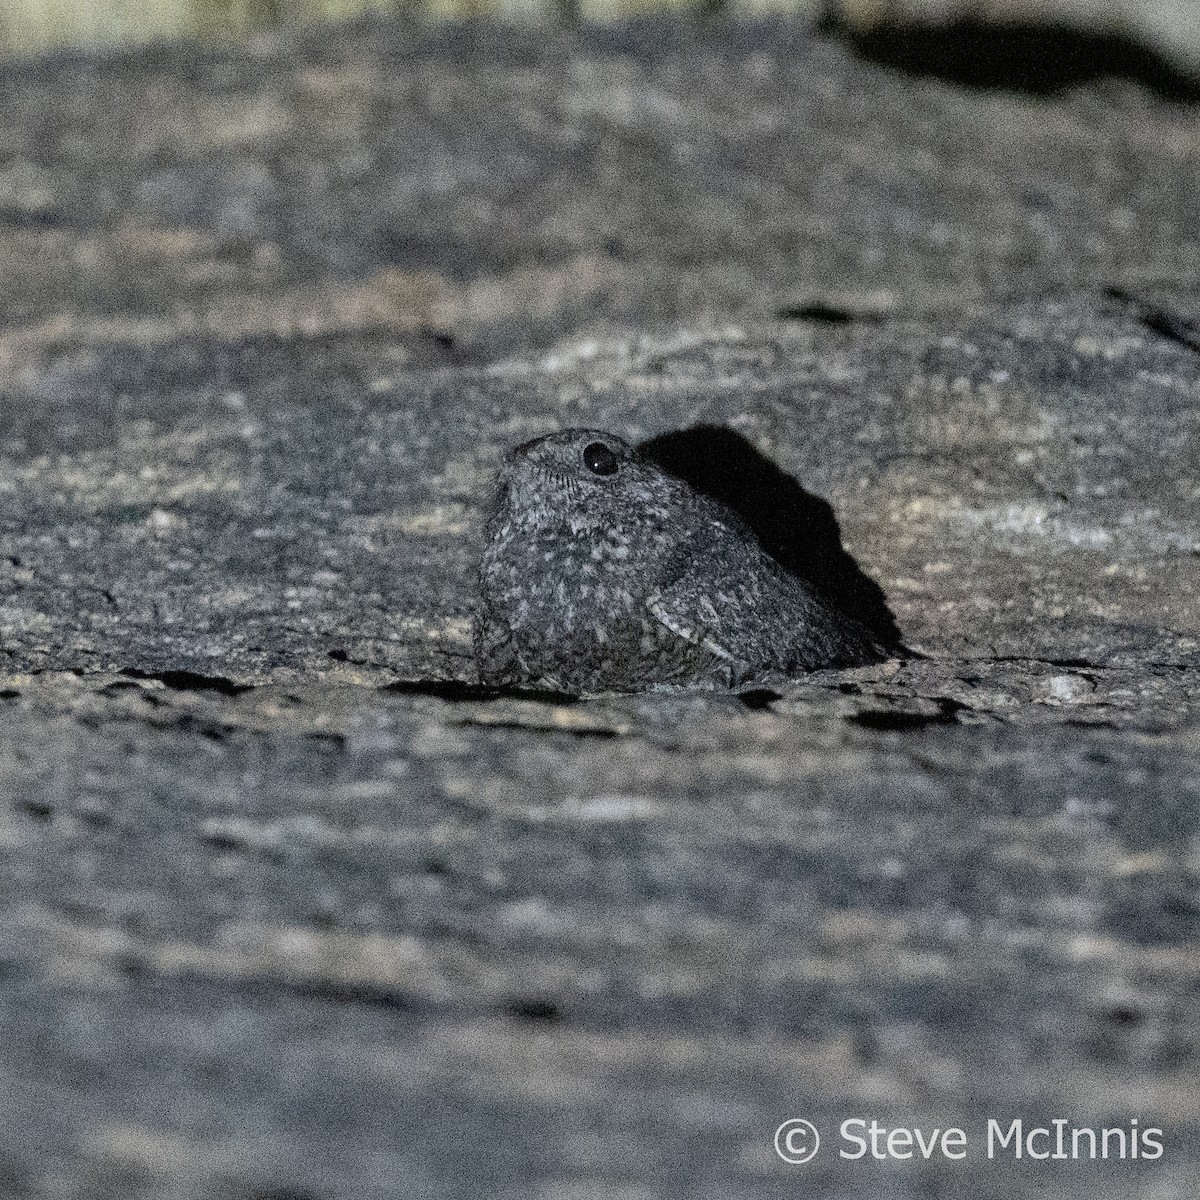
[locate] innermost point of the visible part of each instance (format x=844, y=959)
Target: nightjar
x=601, y=572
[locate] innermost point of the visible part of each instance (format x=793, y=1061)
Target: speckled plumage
x=601, y=572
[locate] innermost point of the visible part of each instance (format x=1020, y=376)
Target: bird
x=601, y=572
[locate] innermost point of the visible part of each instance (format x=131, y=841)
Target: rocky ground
x=293, y=909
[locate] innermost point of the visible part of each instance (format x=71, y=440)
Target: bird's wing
x=722, y=591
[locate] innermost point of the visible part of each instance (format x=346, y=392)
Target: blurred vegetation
x=1170, y=27
x=30, y=26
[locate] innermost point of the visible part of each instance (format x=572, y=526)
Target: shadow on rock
x=795, y=527
x=1038, y=59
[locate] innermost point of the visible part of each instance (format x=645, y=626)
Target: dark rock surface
x=292, y=908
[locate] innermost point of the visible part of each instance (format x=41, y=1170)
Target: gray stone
x=292, y=906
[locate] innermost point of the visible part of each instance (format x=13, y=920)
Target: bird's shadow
x=795, y=527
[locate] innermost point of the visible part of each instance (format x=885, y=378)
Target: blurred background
x=1171, y=27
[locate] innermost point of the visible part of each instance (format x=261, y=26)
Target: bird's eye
x=599, y=459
